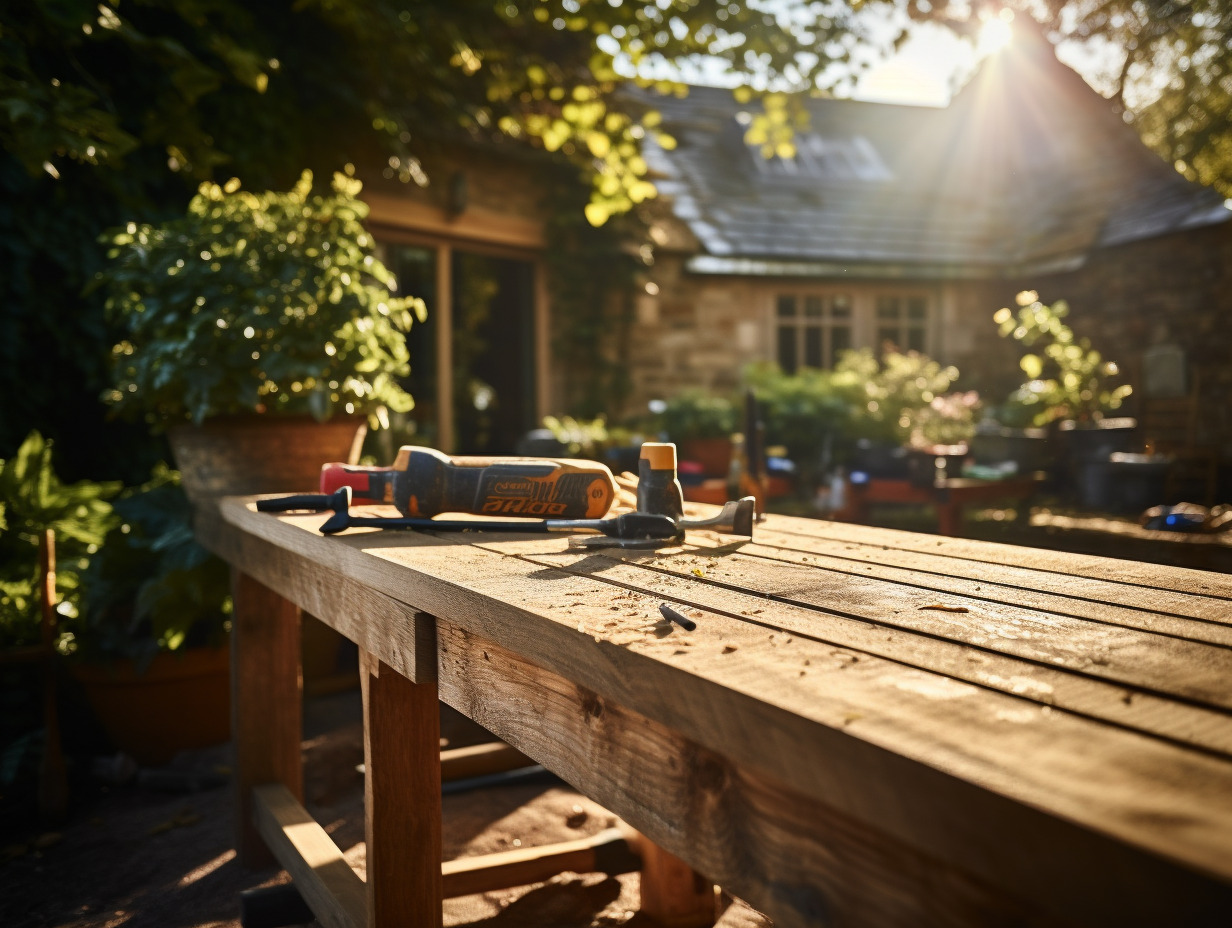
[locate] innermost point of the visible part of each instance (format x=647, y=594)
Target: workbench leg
x=949, y=519
x=402, y=797
x=673, y=894
x=266, y=705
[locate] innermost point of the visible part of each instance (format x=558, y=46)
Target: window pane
x=812, y=306
x=841, y=307
x=840, y=341
x=812, y=346
x=888, y=307
x=887, y=338
x=915, y=339
x=917, y=308
x=788, y=357
x=787, y=307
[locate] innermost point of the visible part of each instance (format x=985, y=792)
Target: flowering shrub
x=946, y=420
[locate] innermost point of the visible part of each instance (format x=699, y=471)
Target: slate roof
x=1028, y=169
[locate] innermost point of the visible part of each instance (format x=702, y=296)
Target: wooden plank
x=803, y=861
x=1137, y=573
x=266, y=708
x=333, y=891
x=1124, y=656
x=817, y=732
x=402, y=797
x=674, y=895
x=1042, y=683
x=479, y=760
x=609, y=851
x=1172, y=612
x=360, y=613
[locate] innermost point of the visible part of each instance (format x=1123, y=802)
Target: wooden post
x=266, y=705
x=53, y=774
x=673, y=894
x=402, y=797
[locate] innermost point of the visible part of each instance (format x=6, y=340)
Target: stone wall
x=1175, y=289
x=700, y=331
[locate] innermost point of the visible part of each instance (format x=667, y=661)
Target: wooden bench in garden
x=866, y=727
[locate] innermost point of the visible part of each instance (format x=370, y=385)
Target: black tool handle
x=336, y=524
x=309, y=502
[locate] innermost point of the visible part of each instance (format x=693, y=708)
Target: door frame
x=405, y=222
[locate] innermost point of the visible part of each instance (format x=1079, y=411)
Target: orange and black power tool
x=424, y=482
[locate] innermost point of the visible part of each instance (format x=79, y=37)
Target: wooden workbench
x=867, y=727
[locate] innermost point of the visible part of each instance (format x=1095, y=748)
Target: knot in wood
x=592, y=703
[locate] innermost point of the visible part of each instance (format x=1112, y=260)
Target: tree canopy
x=1167, y=63
x=113, y=112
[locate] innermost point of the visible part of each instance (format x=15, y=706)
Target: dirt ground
x=141, y=857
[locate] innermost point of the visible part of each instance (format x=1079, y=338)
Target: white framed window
x=812, y=329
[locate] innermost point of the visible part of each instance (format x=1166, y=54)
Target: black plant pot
x=1123, y=483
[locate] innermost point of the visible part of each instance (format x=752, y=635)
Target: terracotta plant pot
x=181, y=701
x=240, y=455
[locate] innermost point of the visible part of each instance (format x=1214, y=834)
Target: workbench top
x=866, y=726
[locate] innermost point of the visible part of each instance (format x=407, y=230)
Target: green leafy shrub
x=804, y=412
x=152, y=587
x=580, y=438
x=886, y=397
x=33, y=499
x=694, y=414
x=948, y=419
x=269, y=302
x=1066, y=377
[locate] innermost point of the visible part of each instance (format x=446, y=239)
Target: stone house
x=913, y=226
x=892, y=224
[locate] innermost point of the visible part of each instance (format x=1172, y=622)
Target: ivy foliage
x=265, y=302
x=32, y=499
x=116, y=111
x=1066, y=377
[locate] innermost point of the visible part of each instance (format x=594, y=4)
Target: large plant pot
x=1095, y=441
x=1029, y=449
x=181, y=701
x=241, y=455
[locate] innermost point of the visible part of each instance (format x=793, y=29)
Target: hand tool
x=340, y=499
x=658, y=489
x=424, y=482
x=631, y=526
x=735, y=518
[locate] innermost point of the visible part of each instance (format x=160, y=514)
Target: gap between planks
x=1133, y=573
x=1125, y=704
x=1213, y=611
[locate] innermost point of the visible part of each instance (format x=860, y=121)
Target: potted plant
x=150, y=645
x=701, y=424
x=1070, y=390
x=804, y=413
x=142, y=609
x=248, y=320
x=889, y=400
